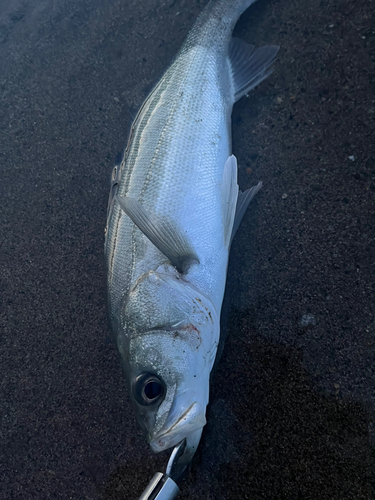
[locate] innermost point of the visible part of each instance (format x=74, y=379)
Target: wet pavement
x=292, y=412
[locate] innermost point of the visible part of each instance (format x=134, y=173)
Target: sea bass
x=173, y=209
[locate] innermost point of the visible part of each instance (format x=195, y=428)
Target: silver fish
x=173, y=209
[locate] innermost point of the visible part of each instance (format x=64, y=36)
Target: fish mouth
x=189, y=421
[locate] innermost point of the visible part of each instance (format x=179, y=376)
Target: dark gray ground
x=293, y=408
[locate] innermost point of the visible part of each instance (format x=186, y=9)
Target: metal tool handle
x=160, y=487
x=163, y=486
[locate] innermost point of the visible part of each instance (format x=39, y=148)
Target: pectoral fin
x=249, y=66
x=161, y=233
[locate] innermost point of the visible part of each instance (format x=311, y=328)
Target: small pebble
x=308, y=320
x=284, y=196
x=352, y=157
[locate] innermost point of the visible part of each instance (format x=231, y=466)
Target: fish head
x=169, y=386
x=168, y=345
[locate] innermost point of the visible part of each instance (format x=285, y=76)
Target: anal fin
x=230, y=195
x=243, y=200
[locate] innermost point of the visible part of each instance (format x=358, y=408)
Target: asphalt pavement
x=292, y=412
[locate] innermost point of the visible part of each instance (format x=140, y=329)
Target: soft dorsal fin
x=230, y=194
x=243, y=200
x=161, y=233
x=249, y=66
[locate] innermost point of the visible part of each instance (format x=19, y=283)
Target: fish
x=173, y=209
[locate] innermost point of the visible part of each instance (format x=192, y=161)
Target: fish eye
x=148, y=389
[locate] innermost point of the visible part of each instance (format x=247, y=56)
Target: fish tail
x=217, y=21
x=228, y=11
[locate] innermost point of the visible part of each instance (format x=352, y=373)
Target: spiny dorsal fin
x=161, y=233
x=249, y=66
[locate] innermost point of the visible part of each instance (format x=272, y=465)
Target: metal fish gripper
x=163, y=486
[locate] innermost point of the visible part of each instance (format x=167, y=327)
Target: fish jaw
x=190, y=421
